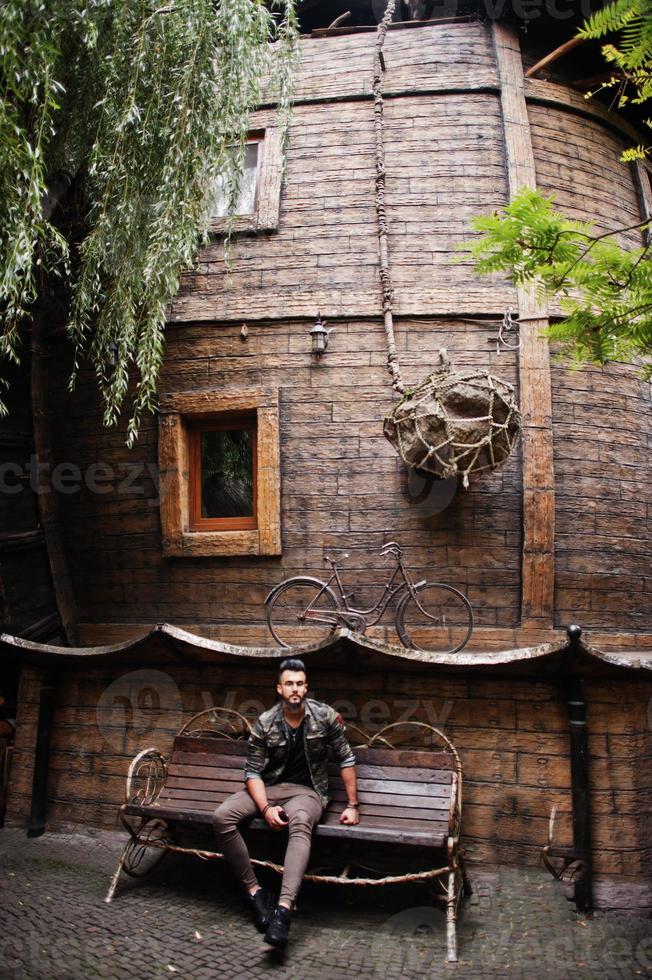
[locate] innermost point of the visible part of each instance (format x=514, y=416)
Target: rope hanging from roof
x=453, y=422
x=383, y=249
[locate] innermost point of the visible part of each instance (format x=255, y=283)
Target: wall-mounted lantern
x=113, y=354
x=319, y=336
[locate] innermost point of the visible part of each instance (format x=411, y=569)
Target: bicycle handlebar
x=391, y=548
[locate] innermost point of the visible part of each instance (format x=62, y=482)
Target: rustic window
x=219, y=464
x=222, y=461
x=259, y=198
x=246, y=203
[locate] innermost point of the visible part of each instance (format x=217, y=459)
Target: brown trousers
x=304, y=808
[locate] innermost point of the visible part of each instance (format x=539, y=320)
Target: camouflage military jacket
x=269, y=745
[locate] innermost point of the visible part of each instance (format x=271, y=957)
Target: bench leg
x=451, y=916
x=135, y=851
x=116, y=876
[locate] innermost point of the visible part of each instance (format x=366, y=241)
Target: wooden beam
x=554, y=56
x=538, y=568
x=42, y=629
x=47, y=499
x=21, y=540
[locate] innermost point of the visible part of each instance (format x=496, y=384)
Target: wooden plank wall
x=325, y=254
x=511, y=732
x=343, y=485
x=601, y=417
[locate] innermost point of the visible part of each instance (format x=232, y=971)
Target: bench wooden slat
x=405, y=757
x=181, y=775
x=183, y=760
x=339, y=800
x=388, y=812
x=440, y=776
x=425, y=839
x=434, y=836
x=235, y=762
x=422, y=758
x=396, y=822
x=387, y=799
x=222, y=771
x=391, y=803
x=210, y=746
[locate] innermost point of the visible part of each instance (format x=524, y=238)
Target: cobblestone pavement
x=185, y=921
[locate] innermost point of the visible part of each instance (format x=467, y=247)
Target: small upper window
x=223, y=473
x=259, y=193
x=246, y=203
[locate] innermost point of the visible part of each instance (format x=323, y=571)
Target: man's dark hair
x=291, y=663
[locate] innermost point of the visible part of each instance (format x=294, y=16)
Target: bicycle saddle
x=333, y=561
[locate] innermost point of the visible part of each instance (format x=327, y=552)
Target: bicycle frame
x=390, y=590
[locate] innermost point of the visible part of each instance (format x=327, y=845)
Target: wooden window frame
x=226, y=422
x=179, y=413
x=269, y=179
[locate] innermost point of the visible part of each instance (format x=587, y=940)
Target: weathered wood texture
x=603, y=436
x=512, y=735
x=343, y=485
x=442, y=57
x=538, y=568
x=325, y=254
x=577, y=160
x=601, y=418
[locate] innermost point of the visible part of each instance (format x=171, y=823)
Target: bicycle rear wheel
x=302, y=610
x=438, y=618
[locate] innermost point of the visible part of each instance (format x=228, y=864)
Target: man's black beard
x=294, y=708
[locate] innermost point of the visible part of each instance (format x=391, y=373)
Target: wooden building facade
x=559, y=534
x=556, y=535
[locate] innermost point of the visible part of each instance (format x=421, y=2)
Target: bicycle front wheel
x=438, y=618
x=300, y=611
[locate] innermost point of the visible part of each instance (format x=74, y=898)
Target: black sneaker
x=260, y=905
x=279, y=927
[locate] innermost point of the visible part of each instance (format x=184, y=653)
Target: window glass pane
x=227, y=473
x=247, y=196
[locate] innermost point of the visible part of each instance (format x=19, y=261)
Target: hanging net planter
x=455, y=423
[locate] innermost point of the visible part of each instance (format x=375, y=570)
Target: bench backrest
x=397, y=788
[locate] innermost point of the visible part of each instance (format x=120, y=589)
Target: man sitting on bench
x=286, y=779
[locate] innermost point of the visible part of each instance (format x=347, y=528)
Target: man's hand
x=349, y=816
x=273, y=818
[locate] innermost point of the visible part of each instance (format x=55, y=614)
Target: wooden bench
x=407, y=797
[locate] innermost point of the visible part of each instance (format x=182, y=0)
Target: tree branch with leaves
x=142, y=104
x=630, y=54
x=603, y=288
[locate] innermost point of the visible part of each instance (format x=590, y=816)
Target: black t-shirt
x=296, y=768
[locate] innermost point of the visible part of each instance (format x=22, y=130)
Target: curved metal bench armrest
x=151, y=766
x=195, y=725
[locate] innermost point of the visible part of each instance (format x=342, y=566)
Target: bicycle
x=431, y=616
